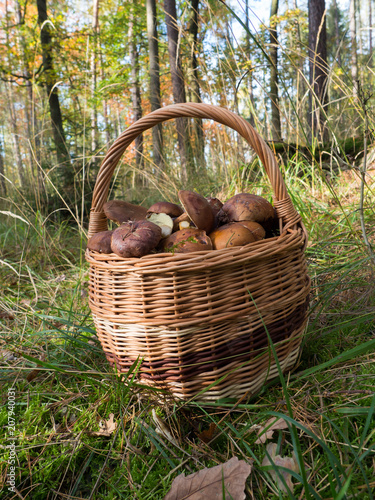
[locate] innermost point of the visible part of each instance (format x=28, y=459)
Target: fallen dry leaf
x=207, y=484
x=266, y=431
x=162, y=428
x=287, y=462
x=107, y=427
x=6, y=315
x=208, y=434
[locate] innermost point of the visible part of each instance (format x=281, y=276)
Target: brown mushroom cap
x=246, y=206
x=135, y=239
x=100, y=242
x=215, y=205
x=187, y=240
x=121, y=211
x=231, y=235
x=258, y=231
x=198, y=209
x=165, y=207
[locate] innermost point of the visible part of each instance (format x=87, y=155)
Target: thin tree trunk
x=230, y=41
x=300, y=80
x=195, y=94
x=94, y=51
x=13, y=119
x=337, y=30
x=105, y=107
x=274, y=87
x=53, y=97
x=178, y=87
x=3, y=186
x=15, y=136
x=250, y=75
x=135, y=88
x=33, y=146
x=360, y=48
x=318, y=73
x=370, y=32
x=153, y=49
x=105, y=116
x=353, y=46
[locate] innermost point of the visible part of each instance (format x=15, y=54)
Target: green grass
x=65, y=389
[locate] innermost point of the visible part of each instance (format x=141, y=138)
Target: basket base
x=238, y=368
x=236, y=385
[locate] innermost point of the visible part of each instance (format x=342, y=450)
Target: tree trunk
x=337, y=30
x=153, y=49
x=370, y=32
x=33, y=146
x=13, y=119
x=300, y=80
x=318, y=68
x=105, y=105
x=353, y=46
x=178, y=87
x=195, y=91
x=250, y=74
x=15, y=136
x=94, y=51
x=3, y=186
x=360, y=49
x=274, y=87
x=135, y=89
x=53, y=97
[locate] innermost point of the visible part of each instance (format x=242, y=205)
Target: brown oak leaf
x=107, y=427
x=266, y=431
x=209, y=483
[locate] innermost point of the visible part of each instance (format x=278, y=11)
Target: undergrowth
x=80, y=431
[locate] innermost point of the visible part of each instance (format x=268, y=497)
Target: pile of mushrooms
x=198, y=224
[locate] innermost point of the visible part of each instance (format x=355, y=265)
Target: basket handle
x=282, y=202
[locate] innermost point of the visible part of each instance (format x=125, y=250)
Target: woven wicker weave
x=198, y=320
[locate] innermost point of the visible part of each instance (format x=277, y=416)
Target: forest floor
x=72, y=429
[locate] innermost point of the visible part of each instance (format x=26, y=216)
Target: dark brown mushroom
x=231, y=235
x=165, y=207
x=100, y=242
x=215, y=205
x=198, y=209
x=246, y=206
x=135, y=239
x=121, y=211
x=187, y=240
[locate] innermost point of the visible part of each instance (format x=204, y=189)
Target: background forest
x=76, y=74
x=73, y=76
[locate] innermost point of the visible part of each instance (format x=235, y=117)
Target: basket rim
x=204, y=259
x=285, y=210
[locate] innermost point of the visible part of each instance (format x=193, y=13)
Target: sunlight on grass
x=64, y=386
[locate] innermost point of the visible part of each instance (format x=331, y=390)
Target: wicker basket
x=197, y=321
